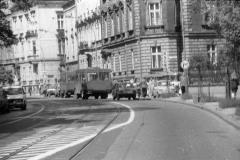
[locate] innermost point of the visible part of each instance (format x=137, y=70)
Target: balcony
x=153, y=30
x=31, y=34
x=130, y=33
x=105, y=40
x=62, y=58
x=33, y=59
x=61, y=33
x=113, y=38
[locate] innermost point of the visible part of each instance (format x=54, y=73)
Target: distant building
x=143, y=37
x=89, y=33
x=35, y=57
x=70, y=39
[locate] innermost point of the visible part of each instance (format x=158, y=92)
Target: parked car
x=4, y=107
x=16, y=97
x=163, y=86
x=124, y=90
x=51, y=91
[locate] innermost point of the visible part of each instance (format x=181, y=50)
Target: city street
x=54, y=128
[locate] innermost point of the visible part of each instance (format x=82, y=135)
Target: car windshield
x=127, y=85
x=14, y=91
x=162, y=83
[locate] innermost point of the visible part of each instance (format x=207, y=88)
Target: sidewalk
x=228, y=114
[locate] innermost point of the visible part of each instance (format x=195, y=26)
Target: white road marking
x=23, y=117
x=50, y=146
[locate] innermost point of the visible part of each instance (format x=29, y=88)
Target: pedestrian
x=138, y=83
x=151, y=87
x=183, y=83
x=144, y=87
x=234, y=84
x=30, y=90
x=84, y=88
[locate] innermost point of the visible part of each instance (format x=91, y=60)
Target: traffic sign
x=185, y=64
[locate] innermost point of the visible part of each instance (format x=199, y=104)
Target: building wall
x=35, y=57
x=89, y=33
x=176, y=35
x=71, y=46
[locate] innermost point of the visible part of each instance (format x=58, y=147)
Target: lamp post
x=183, y=39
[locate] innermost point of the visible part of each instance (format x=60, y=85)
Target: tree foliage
x=7, y=38
x=6, y=77
x=223, y=16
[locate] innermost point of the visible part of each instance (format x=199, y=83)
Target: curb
x=208, y=110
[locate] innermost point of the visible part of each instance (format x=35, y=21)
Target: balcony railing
x=31, y=34
x=152, y=30
x=33, y=59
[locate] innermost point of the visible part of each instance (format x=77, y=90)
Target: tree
x=7, y=38
x=6, y=77
x=223, y=16
x=199, y=63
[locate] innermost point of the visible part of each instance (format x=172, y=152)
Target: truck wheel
x=5, y=109
x=134, y=97
x=24, y=106
x=129, y=98
x=118, y=97
x=96, y=96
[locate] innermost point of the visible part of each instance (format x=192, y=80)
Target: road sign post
x=185, y=66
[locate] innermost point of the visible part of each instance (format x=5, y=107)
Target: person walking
x=138, y=83
x=234, y=84
x=84, y=89
x=144, y=87
x=151, y=87
x=30, y=90
x=183, y=83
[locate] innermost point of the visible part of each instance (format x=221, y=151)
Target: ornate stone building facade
x=70, y=39
x=89, y=33
x=145, y=37
x=35, y=57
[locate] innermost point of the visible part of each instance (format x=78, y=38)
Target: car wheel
x=134, y=97
x=5, y=109
x=24, y=106
x=118, y=97
x=96, y=96
x=129, y=98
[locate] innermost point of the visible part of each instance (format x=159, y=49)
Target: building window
x=123, y=20
x=21, y=22
x=60, y=21
x=35, y=68
x=156, y=57
x=14, y=19
x=112, y=24
x=114, y=64
x=34, y=47
x=118, y=22
x=120, y=62
x=130, y=19
x=155, y=13
x=33, y=15
x=105, y=25
x=212, y=53
x=22, y=49
x=133, y=60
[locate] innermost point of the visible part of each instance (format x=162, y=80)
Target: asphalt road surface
x=64, y=129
